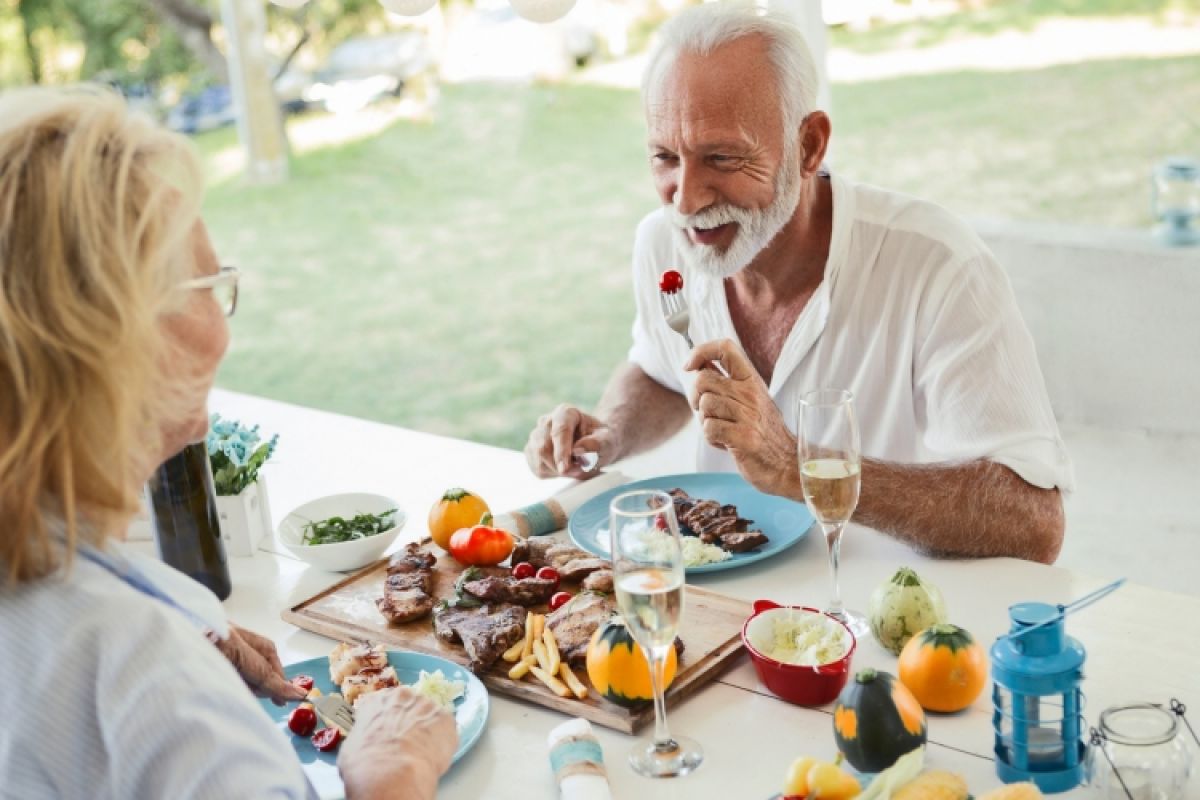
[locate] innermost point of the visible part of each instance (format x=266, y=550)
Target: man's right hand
x=563, y=434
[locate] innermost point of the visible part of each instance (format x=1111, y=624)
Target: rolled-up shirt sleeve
x=978, y=389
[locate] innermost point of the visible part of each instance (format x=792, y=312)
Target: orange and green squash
x=618, y=668
x=876, y=720
x=944, y=667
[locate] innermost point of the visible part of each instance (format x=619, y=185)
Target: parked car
x=202, y=111
x=366, y=68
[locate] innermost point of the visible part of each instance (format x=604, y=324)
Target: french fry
x=556, y=686
x=522, y=667
x=514, y=653
x=539, y=625
x=552, y=655
x=543, y=658
x=578, y=689
x=527, y=646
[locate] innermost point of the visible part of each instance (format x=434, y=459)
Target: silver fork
x=335, y=711
x=679, y=318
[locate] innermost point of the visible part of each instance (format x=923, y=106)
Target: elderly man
x=799, y=280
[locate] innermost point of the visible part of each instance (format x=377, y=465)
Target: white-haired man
x=799, y=280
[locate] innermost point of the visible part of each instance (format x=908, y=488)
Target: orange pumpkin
x=457, y=509
x=618, y=668
x=944, y=667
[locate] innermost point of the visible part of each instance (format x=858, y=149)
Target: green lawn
x=463, y=276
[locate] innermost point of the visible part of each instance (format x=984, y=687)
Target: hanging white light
x=408, y=8
x=542, y=10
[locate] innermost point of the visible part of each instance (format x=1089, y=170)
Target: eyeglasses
x=224, y=286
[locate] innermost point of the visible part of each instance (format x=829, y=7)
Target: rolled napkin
x=551, y=514
x=578, y=762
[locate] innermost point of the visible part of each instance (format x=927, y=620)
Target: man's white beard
x=756, y=229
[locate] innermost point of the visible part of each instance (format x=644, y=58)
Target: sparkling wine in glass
x=648, y=576
x=830, y=467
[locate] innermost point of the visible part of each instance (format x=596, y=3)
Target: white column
x=259, y=121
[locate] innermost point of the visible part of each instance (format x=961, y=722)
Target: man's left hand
x=738, y=415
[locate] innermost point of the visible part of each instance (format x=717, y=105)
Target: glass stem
x=833, y=538
x=658, y=676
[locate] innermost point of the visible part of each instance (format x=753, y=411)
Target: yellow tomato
x=457, y=509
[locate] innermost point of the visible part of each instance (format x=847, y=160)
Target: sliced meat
x=485, y=632
x=523, y=591
x=574, y=623
x=406, y=590
x=742, y=541
x=578, y=569
x=599, y=581
x=571, y=563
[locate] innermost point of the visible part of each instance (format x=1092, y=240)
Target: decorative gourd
x=876, y=720
x=935, y=785
x=902, y=606
x=944, y=667
x=1015, y=791
x=618, y=668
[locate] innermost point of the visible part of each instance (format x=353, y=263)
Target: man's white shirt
x=914, y=316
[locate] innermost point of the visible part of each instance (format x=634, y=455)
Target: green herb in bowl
x=340, y=529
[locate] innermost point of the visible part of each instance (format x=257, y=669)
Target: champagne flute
x=648, y=576
x=830, y=467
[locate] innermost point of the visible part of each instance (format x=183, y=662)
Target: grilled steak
x=715, y=523
x=571, y=563
x=406, y=590
x=522, y=591
x=574, y=623
x=599, y=581
x=485, y=632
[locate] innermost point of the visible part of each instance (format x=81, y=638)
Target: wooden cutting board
x=711, y=633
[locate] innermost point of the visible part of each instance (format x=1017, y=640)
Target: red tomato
x=550, y=574
x=302, y=721
x=660, y=522
x=304, y=682
x=482, y=545
x=559, y=600
x=670, y=281
x=327, y=739
x=523, y=570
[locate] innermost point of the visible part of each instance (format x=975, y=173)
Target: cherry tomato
x=304, y=682
x=327, y=739
x=660, y=523
x=302, y=721
x=559, y=600
x=670, y=281
x=523, y=570
x=550, y=574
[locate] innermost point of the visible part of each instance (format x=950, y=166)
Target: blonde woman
x=112, y=324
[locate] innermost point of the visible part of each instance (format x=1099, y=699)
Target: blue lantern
x=1038, y=703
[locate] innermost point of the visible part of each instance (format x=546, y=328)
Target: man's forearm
x=968, y=510
x=640, y=411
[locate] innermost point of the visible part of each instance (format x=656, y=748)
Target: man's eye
x=666, y=158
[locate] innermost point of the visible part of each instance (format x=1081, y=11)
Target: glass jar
x=1175, y=200
x=1142, y=743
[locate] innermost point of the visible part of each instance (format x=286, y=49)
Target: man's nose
x=692, y=192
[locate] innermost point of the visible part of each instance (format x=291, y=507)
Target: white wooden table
x=1143, y=645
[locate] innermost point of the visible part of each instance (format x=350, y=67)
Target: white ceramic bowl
x=340, y=556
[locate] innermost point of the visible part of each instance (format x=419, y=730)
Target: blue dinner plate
x=470, y=711
x=783, y=521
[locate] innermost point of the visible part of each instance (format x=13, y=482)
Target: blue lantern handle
x=1069, y=608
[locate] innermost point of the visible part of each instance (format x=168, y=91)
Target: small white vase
x=245, y=519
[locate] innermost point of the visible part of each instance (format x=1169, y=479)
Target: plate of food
x=726, y=523
x=353, y=670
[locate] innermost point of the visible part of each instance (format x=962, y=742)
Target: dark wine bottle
x=186, y=525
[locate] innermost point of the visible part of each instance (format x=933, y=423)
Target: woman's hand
x=400, y=746
x=256, y=660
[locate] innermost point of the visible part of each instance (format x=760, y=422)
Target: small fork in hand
x=675, y=310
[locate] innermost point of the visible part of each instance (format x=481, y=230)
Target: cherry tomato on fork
x=327, y=739
x=670, y=281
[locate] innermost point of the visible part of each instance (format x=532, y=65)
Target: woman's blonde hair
x=97, y=206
